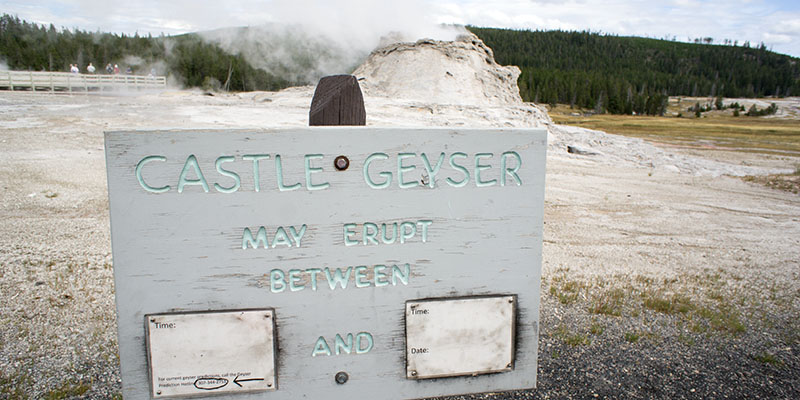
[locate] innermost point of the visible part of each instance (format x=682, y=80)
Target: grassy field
x=715, y=130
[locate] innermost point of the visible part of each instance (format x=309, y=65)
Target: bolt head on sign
x=341, y=163
x=411, y=272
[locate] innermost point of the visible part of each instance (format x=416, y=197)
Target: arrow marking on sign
x=237, y=380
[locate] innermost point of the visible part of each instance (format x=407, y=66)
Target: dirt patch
x=786, y=182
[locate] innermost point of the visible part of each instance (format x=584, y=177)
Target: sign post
x=326, y=262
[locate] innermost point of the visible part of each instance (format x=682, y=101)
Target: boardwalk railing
x=66, y=81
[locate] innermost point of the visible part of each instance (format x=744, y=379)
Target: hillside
x=619, y=75
x=189, y=60
x=623, y=74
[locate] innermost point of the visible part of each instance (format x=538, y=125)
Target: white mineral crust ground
x=632, y=212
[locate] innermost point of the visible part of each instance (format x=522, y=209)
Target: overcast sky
x=776, y=23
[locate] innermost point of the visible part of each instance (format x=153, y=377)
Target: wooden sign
x=337, y=101
x=331, y=262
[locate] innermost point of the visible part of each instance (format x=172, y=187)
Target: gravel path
x=657, y=283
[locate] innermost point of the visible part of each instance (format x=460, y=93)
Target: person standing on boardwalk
x=109, y=69
x=90, y=68
x=74, y=68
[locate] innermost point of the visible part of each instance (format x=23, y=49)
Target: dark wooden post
x=337, y=101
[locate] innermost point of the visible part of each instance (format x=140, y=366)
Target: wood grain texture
x=337, y=101
x=182, y=251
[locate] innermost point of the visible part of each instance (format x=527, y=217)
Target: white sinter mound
x=459, y=72
x=443, y=83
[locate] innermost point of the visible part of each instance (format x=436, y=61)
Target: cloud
x=742, y=20
x=787, y=26
x=361, y=22
x=777, y=38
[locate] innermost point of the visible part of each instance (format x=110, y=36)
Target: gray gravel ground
x=656, y=284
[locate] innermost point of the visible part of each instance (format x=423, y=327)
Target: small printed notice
x=458, y=337
x=226, y=352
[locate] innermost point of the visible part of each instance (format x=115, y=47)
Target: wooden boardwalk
x=71, y=82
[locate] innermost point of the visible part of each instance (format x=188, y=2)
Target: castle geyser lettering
x=380, y=171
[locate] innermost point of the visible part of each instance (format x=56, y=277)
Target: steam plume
x=306, y=39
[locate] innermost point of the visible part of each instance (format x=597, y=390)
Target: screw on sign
x=341, y=163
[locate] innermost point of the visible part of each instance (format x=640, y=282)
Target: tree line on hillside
x=623, y=75
x=190, y=60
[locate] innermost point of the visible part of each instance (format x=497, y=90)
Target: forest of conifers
x=589, y=70
x=190, y=60
x=625, y=74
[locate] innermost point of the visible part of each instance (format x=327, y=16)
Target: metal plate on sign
x=211, y=353
x=457, y=337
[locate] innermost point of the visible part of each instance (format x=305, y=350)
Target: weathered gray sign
x=326, y=262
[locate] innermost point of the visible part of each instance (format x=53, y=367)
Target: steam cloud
x=298, y=40
x=307, y=40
